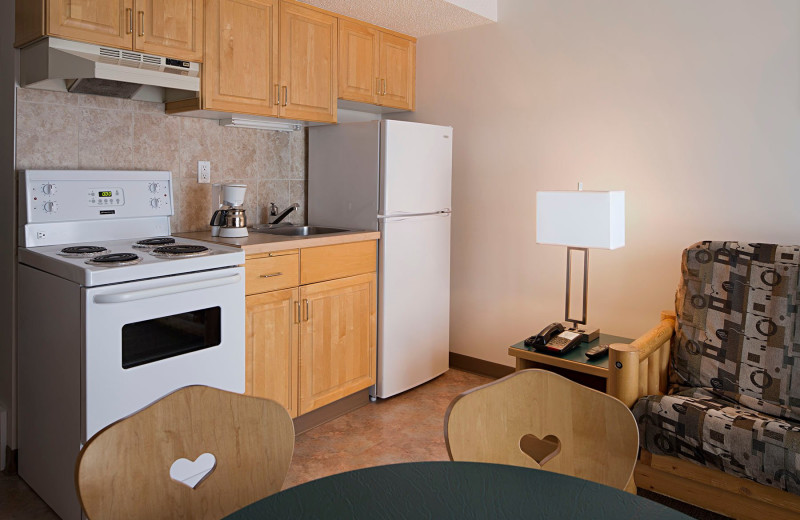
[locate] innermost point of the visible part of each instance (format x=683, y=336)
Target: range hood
x=56, y=64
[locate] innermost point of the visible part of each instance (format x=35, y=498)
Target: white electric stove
x=113, y=314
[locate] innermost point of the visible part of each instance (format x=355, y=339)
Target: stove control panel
x=60, y=196
x=105, y=197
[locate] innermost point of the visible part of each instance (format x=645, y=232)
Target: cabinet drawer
x=268, y=273
x=318, y=264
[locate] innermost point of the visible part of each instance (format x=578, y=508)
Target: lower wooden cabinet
x=272, y=340
x=337, y=339
x=310, y=345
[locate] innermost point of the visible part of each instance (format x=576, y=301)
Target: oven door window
x=161, y=338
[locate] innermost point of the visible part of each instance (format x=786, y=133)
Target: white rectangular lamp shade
x=591, y=219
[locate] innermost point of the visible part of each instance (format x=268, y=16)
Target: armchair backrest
x=738, y=328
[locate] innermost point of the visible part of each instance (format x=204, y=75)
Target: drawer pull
x=271, y=275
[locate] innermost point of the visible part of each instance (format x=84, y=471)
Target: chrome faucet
x=273, y=212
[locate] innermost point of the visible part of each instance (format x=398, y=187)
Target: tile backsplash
x=76, y=131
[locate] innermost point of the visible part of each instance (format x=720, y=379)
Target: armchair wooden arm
x=640, y=368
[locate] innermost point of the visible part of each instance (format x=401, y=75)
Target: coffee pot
x=229, y=221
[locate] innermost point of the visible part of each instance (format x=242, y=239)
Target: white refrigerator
x=395, y=177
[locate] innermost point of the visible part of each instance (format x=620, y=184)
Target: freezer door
x=416, y=167
x=414, y=302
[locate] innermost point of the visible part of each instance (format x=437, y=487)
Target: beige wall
x=691, y=107
x=60, y=130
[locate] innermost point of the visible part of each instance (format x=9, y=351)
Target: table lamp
x=580, y=220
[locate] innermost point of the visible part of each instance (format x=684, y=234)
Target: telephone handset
x=554, y=338
x=545, y=336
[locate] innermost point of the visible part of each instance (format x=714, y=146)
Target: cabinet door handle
x=305, y=303
x=129, y=14
x=378, y=86
x=384, y=86
x=277, y=97
x=285, y=96
x=297, y=312
x=271, y=275
x=141, y=23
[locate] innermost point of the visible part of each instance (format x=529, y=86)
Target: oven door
x=146, y=339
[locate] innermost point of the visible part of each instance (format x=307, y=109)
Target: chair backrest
x=738, y=328
x=541, y=420
x=126, y=470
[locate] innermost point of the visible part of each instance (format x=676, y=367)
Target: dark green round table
x=457, y=490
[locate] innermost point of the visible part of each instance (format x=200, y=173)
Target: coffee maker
x=229, y=221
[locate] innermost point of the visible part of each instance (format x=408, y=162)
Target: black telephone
x=554, y=338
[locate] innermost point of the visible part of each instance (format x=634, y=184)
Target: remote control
x=597, y=352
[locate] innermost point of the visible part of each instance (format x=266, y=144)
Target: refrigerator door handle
x=445, y=211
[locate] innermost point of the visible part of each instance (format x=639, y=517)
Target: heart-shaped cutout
x=192, y=473
x=540, y=450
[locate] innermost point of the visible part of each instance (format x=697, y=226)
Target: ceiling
x=416, y=17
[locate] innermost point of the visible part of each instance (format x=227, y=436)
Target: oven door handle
x=166, y=290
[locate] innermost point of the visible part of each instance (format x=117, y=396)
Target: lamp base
x=588, y=332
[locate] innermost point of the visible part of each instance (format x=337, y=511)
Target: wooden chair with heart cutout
x=198, y=453
x=538, y=419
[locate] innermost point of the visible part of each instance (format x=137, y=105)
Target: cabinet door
x=241, y=60
x=271, y=347
x=337, y=340
x=397, y=71
x=358, y=62
x=308, y=51
x=103, y=23
x=171, y=28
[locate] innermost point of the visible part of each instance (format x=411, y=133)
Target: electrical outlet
x=204, y=172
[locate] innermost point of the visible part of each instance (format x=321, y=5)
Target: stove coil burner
x=179, y=251
x=150, y=243
x=115, y=260
x=82, y=251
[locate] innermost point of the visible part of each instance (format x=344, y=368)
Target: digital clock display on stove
x=104, y=194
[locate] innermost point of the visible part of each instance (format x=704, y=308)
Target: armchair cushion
x=698, y=426
x=738, y=328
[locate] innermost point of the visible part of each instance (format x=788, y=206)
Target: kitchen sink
x=299, y=231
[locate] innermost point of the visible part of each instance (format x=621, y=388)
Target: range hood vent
x=56, y=64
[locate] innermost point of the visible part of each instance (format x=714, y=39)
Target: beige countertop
x=257, y=243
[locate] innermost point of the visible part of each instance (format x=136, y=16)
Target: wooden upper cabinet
x=308, y=50
x=376, y=66
x=358, y=62
x=397, y=71
x=171, y=28
x=100, y=22
x=240, y=73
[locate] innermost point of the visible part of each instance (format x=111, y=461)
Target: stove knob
x=153, y=187
x=50, y=207
x=155, y=203
x=49, y=189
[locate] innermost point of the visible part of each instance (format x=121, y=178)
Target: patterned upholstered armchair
x=726, y=436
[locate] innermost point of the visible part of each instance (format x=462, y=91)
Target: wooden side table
x=572, y=365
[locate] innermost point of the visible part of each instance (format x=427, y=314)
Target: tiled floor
x=405, y=428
